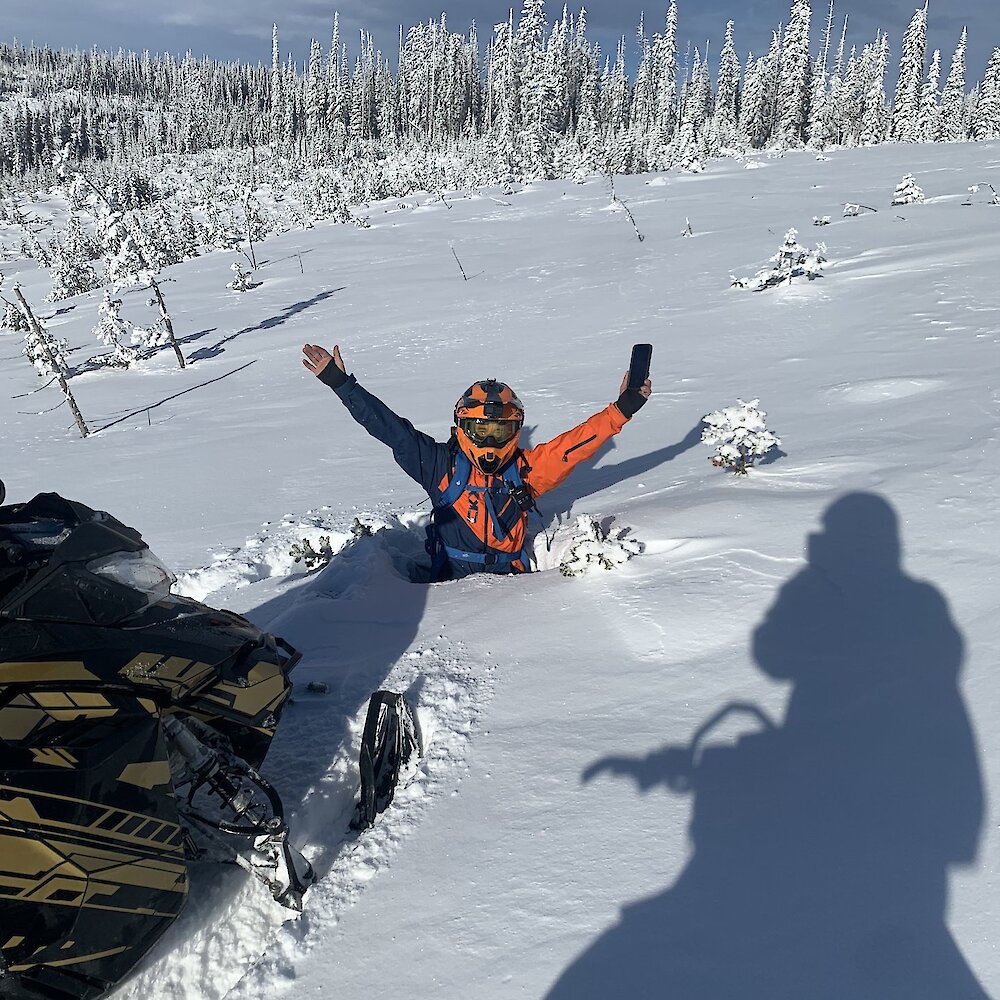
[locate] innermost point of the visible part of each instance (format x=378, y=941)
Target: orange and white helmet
x=488, y=421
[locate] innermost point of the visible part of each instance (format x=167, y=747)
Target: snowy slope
x=845, y=854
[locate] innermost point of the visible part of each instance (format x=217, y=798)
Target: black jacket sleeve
x=417, y=454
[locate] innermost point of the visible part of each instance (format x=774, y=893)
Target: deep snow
x=853, y=851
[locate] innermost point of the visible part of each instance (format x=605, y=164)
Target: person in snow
x=482, y=485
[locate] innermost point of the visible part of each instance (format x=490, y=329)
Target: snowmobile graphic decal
x=132, y=722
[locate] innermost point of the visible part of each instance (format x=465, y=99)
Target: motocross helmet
x=488, y=420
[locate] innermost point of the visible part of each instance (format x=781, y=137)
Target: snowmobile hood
x=62, y=561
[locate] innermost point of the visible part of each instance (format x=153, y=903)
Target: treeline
x=540, y=101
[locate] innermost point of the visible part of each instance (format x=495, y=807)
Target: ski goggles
x=482, y=431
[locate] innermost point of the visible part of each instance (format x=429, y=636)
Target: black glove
x=630, y=402
x=332, y=376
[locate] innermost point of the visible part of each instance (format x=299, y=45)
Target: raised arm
x=553, y=461
x=417, y=454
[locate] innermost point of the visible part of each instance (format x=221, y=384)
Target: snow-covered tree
x=726, y=112
x=986, y=121
x=793, y=77
x=47, y=354
x=665, y=88
x=792, y=260
x=907, y=192
x=906, y=105
x=951, y=113
x=929, y=98
x=72, y=271
x=113, y=331
x=13, y=319
x=739, y=436
x=242, y=280
x=756, y=119
x=594, y=545
x=819, y=129
x=873, y=120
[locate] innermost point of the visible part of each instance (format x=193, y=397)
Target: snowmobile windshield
x=139, y=571
x=482, y=432
x=38, y=535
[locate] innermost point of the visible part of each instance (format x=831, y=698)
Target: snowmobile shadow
x=821, y=847
x=587, y=480
x=352, y=621
x=204, y=353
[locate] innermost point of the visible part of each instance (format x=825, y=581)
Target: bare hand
x=317, y=358
x=646, y=389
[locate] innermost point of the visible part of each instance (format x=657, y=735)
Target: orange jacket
x=542, y=468
x=485, y=518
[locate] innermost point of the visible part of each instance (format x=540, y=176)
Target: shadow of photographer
x=821, y=847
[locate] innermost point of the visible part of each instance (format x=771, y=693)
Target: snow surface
x=561, y=838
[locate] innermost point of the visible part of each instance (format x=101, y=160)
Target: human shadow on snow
x=821, y=847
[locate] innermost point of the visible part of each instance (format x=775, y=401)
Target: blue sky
x=241, y=29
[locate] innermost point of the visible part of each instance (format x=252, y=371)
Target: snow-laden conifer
x=595, y=545
x=725, y=114
x=71, y=254
x=908, y=192
x=906, y=104
x=115, y=332
x=792, y=260
x=951, y=113
x=986, y=121
x=793, y=89
x=13, y=319
x=739, y=436
x=874, y=118
x=242, y=280
x=929, y=99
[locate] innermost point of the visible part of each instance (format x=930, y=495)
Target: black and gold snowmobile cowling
x=132, y=722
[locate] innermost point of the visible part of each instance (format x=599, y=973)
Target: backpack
x=513, y=484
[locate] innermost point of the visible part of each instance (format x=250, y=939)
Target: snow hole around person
x=346, y=544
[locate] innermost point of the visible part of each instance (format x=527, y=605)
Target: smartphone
x=638, y=369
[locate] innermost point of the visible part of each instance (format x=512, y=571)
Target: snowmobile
x=133, y=722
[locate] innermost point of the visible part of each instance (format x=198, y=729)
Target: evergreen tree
x=951, y=115
x=929, y=97
x=873, y=122
x=316, y=104
x=665, y=88
x=986, y=122
x=115, y=332
x=906, y=105
x=793, y=80
x=726, y=114
x=277, y=96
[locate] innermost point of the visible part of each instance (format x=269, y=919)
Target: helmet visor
x=483, y=432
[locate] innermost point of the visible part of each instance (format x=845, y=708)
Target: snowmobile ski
x=389, y=744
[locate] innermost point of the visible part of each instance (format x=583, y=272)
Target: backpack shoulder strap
x=461, y=471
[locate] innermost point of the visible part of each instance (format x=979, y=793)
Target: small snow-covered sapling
x=791, y=261
x=739, y=435
x=907, y=192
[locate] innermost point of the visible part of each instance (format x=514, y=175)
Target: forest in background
x=542, y=101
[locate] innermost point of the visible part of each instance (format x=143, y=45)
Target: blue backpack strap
x=459, y=480
x=457, y=485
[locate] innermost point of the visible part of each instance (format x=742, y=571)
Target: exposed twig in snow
x=153, y=406
x=631, y=218
x=457, y=261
